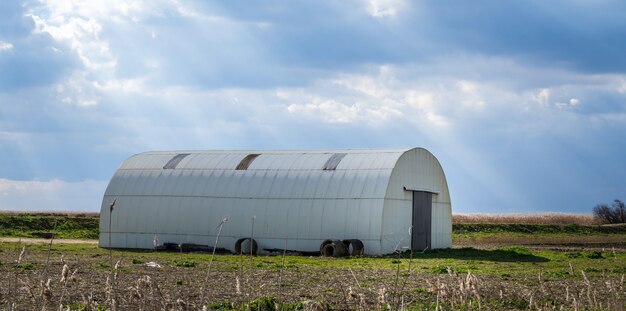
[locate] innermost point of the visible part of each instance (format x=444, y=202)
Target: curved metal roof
x=357, y=173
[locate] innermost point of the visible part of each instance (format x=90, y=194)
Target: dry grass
x=544, y=219
x=80, y=281
x=84, y=281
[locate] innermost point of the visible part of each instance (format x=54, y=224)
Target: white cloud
x=382, y=97
x=426, y=108
x=5, y=46
x=81, y=35
x=125, y=86
x=467, y=86
x=612, y=118
x=384, y=8
x=23, y=187
x=386, y=95
x=87, y=103
x=541, y=96
x=329, y=110
x=13, y=136
x=85, y=28
x=621, y=88
x=53, y=194
x=80, y=26
x=77, y=90
x=570, y=103
x=171, y=74
x=471, y=96
x=110, y=9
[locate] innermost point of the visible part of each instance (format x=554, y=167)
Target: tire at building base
x=354, y=247
x=334, y=249
x=326, y=242
x=253, y=246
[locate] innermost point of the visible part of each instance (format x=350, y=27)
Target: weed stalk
x=13, y=286
x=45, y=284
x=208, y=272
x=250, y=257
x=282, y=267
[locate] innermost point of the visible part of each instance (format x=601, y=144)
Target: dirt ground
x=556, y=242
x=563, y=243
x=184, y=281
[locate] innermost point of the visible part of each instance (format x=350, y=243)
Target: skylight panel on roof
x=333, y=161
x=173, y=162
x=245, y=163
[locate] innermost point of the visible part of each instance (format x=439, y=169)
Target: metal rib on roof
x=267, y=160
x=361, y=173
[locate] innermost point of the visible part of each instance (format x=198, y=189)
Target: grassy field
x=494, y=266
x=468, y=230
x=543, y=219
x=68, y=226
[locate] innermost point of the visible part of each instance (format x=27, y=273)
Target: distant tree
x=613, y=214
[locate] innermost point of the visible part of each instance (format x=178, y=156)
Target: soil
x=182, y=285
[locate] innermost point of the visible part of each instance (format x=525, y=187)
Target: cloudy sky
x=523, y=102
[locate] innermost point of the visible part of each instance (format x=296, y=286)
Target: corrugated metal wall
x=416, y=169
x=287, y=192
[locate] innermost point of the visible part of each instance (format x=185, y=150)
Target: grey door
x=422, y=212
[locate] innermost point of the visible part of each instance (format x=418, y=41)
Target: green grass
x=500, y=265
x=79, y=226
x=497, y=256
x=85, y=226
x=505, y=261
x=536, y=229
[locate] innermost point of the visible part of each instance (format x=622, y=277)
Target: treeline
x=611, y=214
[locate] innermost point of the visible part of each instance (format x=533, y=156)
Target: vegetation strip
x=538, y=228
x=81, y=276
x=40, y=225
x=86, y=226
x=452, y=279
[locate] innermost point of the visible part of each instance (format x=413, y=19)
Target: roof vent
x=333, y=161
x=243, y=165
x=173, y=162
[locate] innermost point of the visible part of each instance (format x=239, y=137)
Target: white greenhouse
x=334, y=201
